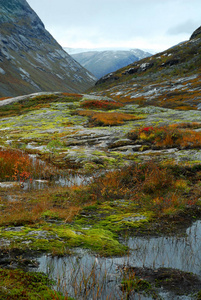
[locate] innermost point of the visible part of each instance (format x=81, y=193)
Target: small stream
x=86, y=276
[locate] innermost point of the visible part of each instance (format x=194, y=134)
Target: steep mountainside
x=169, y=79
x=101, y=63
x=30, y=58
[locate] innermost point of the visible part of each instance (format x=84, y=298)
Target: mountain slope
x=101, y=63
x=30, y=58
x=169, y=79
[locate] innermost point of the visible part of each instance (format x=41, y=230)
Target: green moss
x=54, y=144
x=98, y=153
x=59, y=239
x=89, y=167
x=117, y=154
x=115, y=216
x=103, y=242
x=97, y=239
x=91, y=207
x=33, y=239
x=48, y=214
x=55, y=247
x=109, y=160
x=28, y=105
x=121, y=222
x=17, y=284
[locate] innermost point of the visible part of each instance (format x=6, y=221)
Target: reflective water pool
x=86, y=276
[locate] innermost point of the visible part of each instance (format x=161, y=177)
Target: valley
x=100, y=181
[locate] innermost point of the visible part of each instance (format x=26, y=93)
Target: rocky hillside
x=101, y=63
x=168, y=79
x=30, y=58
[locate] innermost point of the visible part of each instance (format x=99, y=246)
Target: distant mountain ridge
x=168, y=79
x=101, y=63
x=30, y=58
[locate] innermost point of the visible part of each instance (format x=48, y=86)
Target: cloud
x=186, y=27
x=109, y=23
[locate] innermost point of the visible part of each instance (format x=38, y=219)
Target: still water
x=86, y=276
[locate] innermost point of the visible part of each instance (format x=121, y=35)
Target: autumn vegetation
x=181, y=136
x=19, y=166
x=163, y=192
x=101, y=104
x=163, y=189
x=107, y=118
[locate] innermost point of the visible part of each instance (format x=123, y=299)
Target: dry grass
x=101, y=104
x=4, y=98
x=176, y=135
x=148, y=185
x=38, y=206
x=72, y=95
x=151, y=186
x=188, y=125
x=107, y=118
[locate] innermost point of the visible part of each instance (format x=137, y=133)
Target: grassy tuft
x=17, y=284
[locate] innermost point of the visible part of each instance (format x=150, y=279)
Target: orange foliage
x=4, y=98
x=170, y=136
x=148, y=185
x=193, y=125
x=17, y=165
x=107, y=118
x=101, y=104
x=132, y=182
x=179, y=100
x=31, y=206
x=72, y=95
x=14, y=165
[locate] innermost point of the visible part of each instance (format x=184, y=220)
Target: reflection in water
x=85, y=276
x=65, y=180
x=171, y=252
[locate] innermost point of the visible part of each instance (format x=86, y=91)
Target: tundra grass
x=131, y=199
x=17, y=284
x=38, y=102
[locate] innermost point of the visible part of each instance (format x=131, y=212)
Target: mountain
x=77, y=50
x=101, y=63
x=140, y=54
x=168, y=79
x=30, y=58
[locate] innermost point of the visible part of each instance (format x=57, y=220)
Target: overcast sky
x=153, y=25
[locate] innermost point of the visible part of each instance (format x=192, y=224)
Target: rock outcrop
x=196, y=33
x=168, y=79
x=30, y=58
